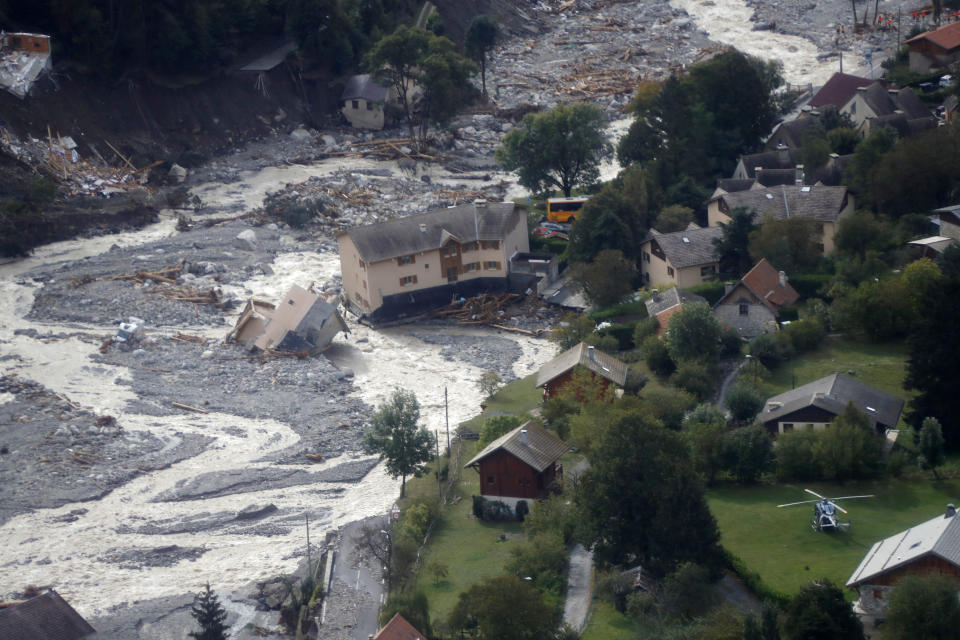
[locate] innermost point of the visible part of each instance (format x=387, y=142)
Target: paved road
x=579, y=588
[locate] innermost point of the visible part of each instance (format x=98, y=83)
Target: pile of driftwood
x=457, y=196
x=168, y=276
x=598, y=83
x=391, y=149
x=486, y=309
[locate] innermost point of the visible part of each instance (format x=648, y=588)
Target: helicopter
x=825, y=509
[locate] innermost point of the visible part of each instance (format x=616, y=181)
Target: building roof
x=776, y=177
x=838, y=90
x=777, y=159
x=398, y=629
x=885, y=102
x=540, y=450
x=602, y=364
x=938, y=537
x=832, y=393
x=429, y=231
x=904, y=125
x=364, y=86
x=690, y=247
x=734, y=184
x=763, y=280
x=794, y=129
x=934, y=243
x=661, y=301
x=817, y=202
x=45, y=617
x=946, y=37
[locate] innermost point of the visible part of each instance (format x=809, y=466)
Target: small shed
x=932, y=547
x=519, y=465
x=44, y=617
x=556, y=373
x=363, y=101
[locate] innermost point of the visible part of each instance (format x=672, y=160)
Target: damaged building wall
x=303, y=321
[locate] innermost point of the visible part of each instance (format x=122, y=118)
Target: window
x=426, y=265
x=491, y=265
x=369, y=106
x=471, y=246
x=646, y=257
x=291, y=303
x=355, y=104
x=808, y=426
x=472, y=266
x=404, y=281
x=878, y=594
x=402, y=260
x=787, y=426
x=744, y=309
x=489, y=479
x=364, y=285
x=708, y=270
x=670, y=271
x=363, y=265
x=489, y=244
x=450, y=250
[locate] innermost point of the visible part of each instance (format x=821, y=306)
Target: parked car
x=556, y=226
x=544, y=232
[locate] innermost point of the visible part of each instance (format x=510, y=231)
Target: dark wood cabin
x=521, y=464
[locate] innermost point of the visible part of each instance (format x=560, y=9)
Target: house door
x=450, y=260
x=451, y=274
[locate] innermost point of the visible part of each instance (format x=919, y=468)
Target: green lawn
x=780, y=545
x=606, y=623
x=471, y=549
x=880, y=365
x=519, y=397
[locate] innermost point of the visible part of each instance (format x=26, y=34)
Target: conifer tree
x=210, y=615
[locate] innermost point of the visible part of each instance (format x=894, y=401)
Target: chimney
x=590, y=352
x=783, y=279
x=951, y=511
x=800, y=176
x=523, y=437
x=728, y=287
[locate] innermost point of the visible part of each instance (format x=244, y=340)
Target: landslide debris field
x=132, y=473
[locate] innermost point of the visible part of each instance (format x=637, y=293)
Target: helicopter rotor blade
x=853, y=497
x=814, y=493
x=790, y=504
x=842, y=510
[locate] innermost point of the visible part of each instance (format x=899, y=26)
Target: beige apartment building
x=826, y=205
x=683, y=258
x=410, y=265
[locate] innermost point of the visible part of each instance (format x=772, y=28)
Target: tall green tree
x=703, y=429
x=607, y=279
x=792, y=244
x=209, y=614
x=397, y=438
x=642, y=501
x=504, y=608
x=923, y=607
x=931, y=444
x=561, y=148
x=747, y=452
x=821, y=612
x=445, y=77
x=395, y=61
x=733, y=247
x=481, y=36
x=849, y=448
x=694, y=333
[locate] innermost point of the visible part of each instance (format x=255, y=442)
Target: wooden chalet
x=398, y=629
x=44, y=617
x=519, y=465
x=931, y=547
x=556, y=373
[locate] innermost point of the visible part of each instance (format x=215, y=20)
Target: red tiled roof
x=838, y=90
x=764, y=281
x=398, y=629
x=947, y=37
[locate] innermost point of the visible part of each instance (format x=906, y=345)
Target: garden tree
x=594, y=418
x=770, y=350
x=395, y=436
x=879, y=310
x=558, y=411
x=673, y=218
x=413, y=606
x=687, y=592
x=769, y=627
x=920, y=278
x=603, y=223
x=821, y=612
x=543, y=558
x=668, y=405
x=703, y=429
x=481, y=36
x=445, y=78
x=792, y=244
x=744, y=402
x=796, y=456
x=572, y=329
x=496, y=426
x=848, y=447
x=438, y=570
x=843, y=140
x=561, y=148
x=209, y=614
x=554, y=515
x=435, y=24
x=746, y=452
x=928, y=162
x=641, y=500
x=489, y=383
x=930, y=443
x=323, y=33
x=395, y=59
x=858, y=175
x=606, y=280
x=657, y=356
x=504, y=608
x=694, y=334
x=814, y=153
x=733, y=247
x=696, y=378
x=862, y=232
x=923, y=607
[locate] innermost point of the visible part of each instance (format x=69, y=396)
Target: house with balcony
x=409, y=266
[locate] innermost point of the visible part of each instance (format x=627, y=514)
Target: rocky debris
x=225, y=522
x=256, y=511
x=167, y=556
x=487, y=353
x=60, y=453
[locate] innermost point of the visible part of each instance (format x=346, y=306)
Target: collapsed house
x=23, y=57
x=304, y=321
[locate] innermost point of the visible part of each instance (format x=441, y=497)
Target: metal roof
x=832, y=393
x=939, y=537
x=597, y=361
x=45, y=617
x=541, y=449
x=690, y=247
x=429, y=231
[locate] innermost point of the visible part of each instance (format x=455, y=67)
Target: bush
x=623, y=334
x=747, y=452
x=644, y=329
x=711, y=291
x=731, y=344
x=641, y=604
x=605, y=343
x=770, y=350
x=695, y=378
x=657, y=356
x=496, y=426
x=636, y=380
x=496, y=511
x=744, y=402
x=795, y=456
x=811, y=285
x=543, y=558
x=805, y=335
x=522, y=510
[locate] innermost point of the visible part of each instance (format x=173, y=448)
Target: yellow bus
x=564, y=209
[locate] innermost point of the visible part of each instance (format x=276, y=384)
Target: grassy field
x=880, y=365
x=780, y=545
x=519, y=397
x=606, y=623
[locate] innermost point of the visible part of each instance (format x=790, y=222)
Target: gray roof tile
x=597, y=361
x=818, y=202
x=45, y=617
x=365, y=87
x=540, y=451
x=690, y=247
x=832, y=393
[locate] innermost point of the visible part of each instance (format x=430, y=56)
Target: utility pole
x=446, y=413
x=309, y=562
x=439, y=485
